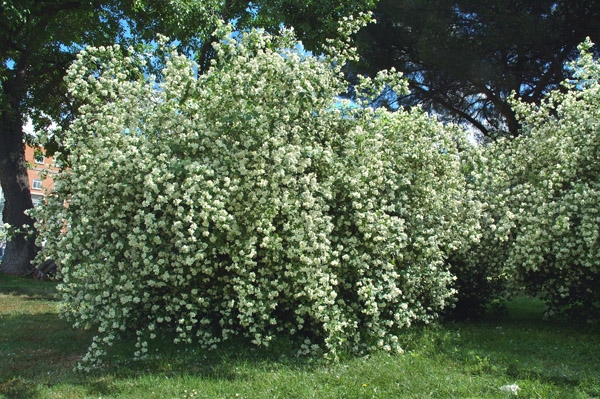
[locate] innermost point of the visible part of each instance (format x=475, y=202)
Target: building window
x=39, y=159
x=36, y=199
x=37, y=184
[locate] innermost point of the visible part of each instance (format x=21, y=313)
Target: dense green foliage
x=249, y=200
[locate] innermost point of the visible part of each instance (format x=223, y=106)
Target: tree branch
x=447, y=104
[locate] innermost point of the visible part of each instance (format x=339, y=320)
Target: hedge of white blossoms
x=541, y=193
x=250, y=201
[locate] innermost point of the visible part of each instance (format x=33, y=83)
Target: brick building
x=41, y=171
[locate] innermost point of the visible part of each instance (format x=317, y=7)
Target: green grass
x=546, y=359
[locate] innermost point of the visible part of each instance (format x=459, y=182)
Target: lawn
x=544, y=358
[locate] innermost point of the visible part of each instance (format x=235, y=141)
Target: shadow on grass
x=41, y=350
x=520, y=344
x=225, y=363
x=35, y=349
x=27, y=287
x=235, y=362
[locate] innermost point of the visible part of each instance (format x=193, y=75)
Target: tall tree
x=37, y=42
x=40, y=38
x=192, y=22
x=465, y=58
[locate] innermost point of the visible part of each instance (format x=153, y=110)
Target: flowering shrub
x=478, y=267
x=250, y=201
x=541, y=193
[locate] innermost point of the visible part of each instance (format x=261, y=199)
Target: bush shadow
x=519, y=343
x=41, y=350
x=27, y=287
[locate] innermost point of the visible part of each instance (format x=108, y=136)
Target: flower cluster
x=250, y=201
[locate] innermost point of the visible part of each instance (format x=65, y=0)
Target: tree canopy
x=38, y=40
x=465, y=58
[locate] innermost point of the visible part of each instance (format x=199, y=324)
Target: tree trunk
x=20, y=248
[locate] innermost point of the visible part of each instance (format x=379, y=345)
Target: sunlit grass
x=545, y=358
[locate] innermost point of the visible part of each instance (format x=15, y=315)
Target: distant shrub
x=540, y=194
x=249, y=201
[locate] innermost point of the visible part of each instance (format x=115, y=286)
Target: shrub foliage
x=251, y=201
x=540, y=194
x=557, y=248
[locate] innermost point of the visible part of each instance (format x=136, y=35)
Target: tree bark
x=20, y=248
